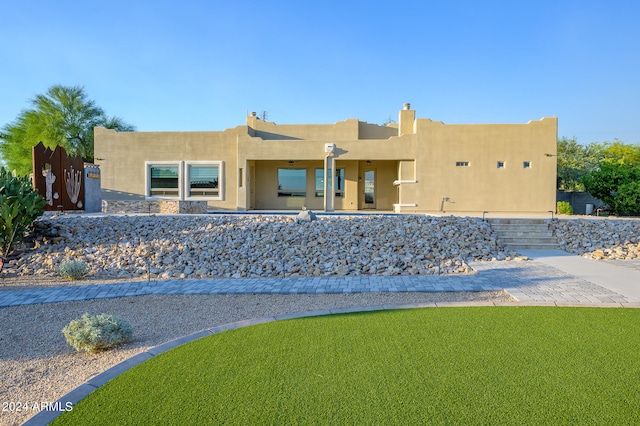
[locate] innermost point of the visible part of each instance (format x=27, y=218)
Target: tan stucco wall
x=350, y=201
x=122, y=157
x=343, y=130
x=351, y=129
x=426, y=152
x=482, y=186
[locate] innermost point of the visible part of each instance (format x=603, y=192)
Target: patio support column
x=329, y=184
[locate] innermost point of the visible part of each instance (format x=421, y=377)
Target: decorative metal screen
x=59, y=178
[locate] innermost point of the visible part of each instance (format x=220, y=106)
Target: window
x=501, y=164
x=292, y=182
x=191, y=180
x=462, y=164
x=339, y=185
x=526, y=164
x=163, y=180
x=203, y=180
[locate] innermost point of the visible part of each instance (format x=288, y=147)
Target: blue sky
x=202, y=65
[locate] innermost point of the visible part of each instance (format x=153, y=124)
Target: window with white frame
x=163, y=179
x=191, y=180
x=203, y=180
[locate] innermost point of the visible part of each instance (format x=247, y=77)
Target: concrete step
x=505, y=221
x=518, y=240
x=513, y=226
x=529, y=234
x=524, y=233
x=532, y=246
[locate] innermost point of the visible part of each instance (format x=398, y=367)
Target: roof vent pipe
x=253, y=113
x=407, y=106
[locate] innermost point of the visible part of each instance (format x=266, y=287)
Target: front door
x=369, y=189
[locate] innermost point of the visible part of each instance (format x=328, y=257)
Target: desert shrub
x=617, y=185
x=564, y=207
x=628, y=198
x=97, y=333
x=73, y=269
x=20, y=205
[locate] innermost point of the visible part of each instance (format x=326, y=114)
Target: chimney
x=406, y=120
x=251, y=119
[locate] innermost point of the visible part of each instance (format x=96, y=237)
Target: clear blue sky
x=202, y=65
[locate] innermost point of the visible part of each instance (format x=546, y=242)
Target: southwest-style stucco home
x=416, y=165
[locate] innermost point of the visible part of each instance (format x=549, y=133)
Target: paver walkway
x=622, y=280
x=555, y=277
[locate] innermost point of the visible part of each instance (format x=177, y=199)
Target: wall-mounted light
x=550, y=155
x=99, y=159
x=368, y=162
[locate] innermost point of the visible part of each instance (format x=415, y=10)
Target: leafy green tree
x=574, y=161
x=621, y=153
x=63, y=116
x=617, y=184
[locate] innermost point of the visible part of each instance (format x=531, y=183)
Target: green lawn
x=499, y=365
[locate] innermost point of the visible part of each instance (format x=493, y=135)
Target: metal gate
x=59, y=178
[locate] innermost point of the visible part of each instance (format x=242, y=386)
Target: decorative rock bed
x=241, y=246
x=599, y=239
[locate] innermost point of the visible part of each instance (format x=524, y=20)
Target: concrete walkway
x=553, y=277
x=620, y=280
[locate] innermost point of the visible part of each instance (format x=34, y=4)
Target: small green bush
x=97, y=333
x=564, y=207
x=73, y=269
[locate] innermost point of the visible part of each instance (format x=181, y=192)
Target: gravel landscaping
x=600, y=239
x=240, y=246
x=37, y=364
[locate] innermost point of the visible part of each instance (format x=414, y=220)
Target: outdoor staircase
x=524, y=233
